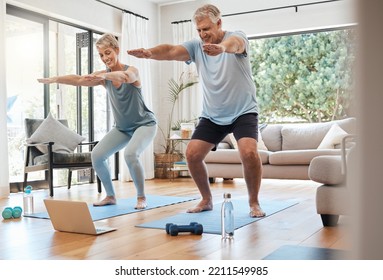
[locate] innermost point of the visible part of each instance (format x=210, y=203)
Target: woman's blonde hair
x=209, y=11
x=107, y=41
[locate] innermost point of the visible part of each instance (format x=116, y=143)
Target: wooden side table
x=180, y=167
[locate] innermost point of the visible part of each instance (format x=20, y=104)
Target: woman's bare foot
x=109, y=200
x=202, y=206
x=141, y=202
x=256, y=211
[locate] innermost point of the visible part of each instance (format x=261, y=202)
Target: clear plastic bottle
x=28, y=200
x=227, y=218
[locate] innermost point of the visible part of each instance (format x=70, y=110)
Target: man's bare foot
x=109, y=200
x=202, y=206
x=256, y=211
x=141, y=202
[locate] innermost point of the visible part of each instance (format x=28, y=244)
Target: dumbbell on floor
x=9, y=212
x=194, y=228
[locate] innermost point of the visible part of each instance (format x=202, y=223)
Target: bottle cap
x=226, y=195
x=28, y=189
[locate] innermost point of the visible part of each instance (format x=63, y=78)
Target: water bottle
x=227, y=218
x=28, y=200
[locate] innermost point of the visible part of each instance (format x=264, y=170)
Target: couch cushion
x=227, y=141
x=224, y=145
x=272, y=137
x=294, y=157
x=64, y=158
x=231, y=156
x=302, y=136
x=309, y=136
x=297, y=172
x=348, y=125
x=261, y=144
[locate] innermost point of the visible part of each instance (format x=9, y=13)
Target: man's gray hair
x=209, y=11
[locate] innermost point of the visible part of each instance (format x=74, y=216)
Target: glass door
x=38, y=47
x=25, y=96
x=73, y=49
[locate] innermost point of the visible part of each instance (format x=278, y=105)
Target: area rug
x=211, y=220
x=124, y=206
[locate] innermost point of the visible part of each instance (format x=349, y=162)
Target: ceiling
x=165, y=2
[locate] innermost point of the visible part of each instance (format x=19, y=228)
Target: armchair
x=333, y=196
x=43, y=155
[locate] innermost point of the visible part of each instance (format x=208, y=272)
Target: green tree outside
x=306, y=77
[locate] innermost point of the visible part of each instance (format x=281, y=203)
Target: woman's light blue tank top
x=128, y=107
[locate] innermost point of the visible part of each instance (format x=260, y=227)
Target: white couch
x=286, y=150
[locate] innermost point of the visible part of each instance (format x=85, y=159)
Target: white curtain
x=4, y=170
x=135, y=35
x=189, y=104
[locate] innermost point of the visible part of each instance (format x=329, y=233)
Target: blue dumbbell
x=9, y=212
x=16, y=212
x=194, y=228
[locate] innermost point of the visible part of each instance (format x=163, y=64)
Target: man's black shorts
x=244, y=126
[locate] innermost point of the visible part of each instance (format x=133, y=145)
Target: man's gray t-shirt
x=226, y=82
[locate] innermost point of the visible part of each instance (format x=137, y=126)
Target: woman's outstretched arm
x=74, y=80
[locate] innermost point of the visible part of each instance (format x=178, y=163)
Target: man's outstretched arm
x=162, y=52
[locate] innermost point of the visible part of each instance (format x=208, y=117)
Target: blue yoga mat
x=124, y=206
x=211, y=220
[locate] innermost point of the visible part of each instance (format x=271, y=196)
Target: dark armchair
x=42, y=156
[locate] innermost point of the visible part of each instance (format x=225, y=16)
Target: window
x=24, y=64
x=36, y=47
x=305, y=77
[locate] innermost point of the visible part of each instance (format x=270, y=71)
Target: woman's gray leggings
x=134, y=143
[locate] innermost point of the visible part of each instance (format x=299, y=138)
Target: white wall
x=92, y=14
x=267, y=22
x=88, y=13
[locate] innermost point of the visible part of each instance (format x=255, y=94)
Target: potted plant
x=164, y=161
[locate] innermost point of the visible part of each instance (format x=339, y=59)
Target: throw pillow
x=51, y=130
x=261, y=144
x=333, y=137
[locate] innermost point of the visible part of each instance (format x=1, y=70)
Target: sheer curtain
x=135, y=35
x=4, y=170
x=190, y=102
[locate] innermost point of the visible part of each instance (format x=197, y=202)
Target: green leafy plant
x=175, y=90
x=306, y=77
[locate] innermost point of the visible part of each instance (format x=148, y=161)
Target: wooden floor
x=29, y=238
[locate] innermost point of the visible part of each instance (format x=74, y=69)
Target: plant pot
x=163, y=164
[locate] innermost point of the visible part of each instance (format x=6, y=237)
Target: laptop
x=73, y=216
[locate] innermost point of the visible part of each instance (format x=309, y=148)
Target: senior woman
x=135, y=125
